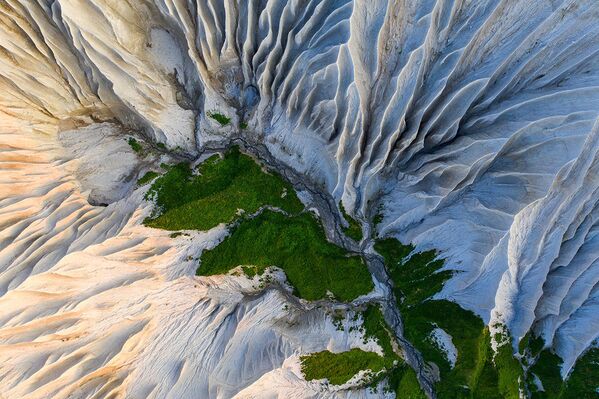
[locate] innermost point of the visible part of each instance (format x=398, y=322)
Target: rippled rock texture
x=469, y=126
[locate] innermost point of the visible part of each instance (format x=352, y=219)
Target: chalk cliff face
x=470, y=126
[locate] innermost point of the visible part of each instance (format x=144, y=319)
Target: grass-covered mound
x=296, y=244
x=216, y=193
x=339, y=368
x=417, y=277
x=222, y=191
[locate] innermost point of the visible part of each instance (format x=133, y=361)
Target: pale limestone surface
x=469, y=123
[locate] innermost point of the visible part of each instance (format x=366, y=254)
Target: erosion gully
x=331, y=220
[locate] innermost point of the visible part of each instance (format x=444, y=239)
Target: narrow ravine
x=331, y=220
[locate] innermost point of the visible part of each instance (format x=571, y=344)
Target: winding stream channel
x=331, y=220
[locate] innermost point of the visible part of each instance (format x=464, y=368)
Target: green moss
x=354, y=230
x=298, y=245
x=401, y=378
x=486, y=378
x=162, y=146
x=339, y=368
x=530, y=345
x=394, y=252
x=148, y=177
x=134, y=144
x=250, y=271
x=216, y=193
x=220, y=118
x=243, y=125
x=378, y=218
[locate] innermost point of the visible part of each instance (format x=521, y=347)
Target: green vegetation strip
x=339, y=368
x=216, y=193
x=148, y=177
x=354, y=230
x=296, y=244
x=583, y=382
x=417, y=277
x=479, y=372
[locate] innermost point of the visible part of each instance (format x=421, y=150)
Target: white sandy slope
x=95, y=305
x=459, y=119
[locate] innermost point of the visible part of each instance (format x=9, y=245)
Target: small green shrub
x=148, y=177
x=220, y=118
x=134, y=144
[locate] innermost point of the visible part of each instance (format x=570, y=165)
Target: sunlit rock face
x=469, y=125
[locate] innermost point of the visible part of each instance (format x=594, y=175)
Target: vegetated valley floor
x=269, y=226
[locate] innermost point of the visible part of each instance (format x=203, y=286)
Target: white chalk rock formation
x=468, y=124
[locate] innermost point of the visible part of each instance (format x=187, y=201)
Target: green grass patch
x=216, y=193
x=403, y=381
x=148, y=177
x=417, y=278
x=530, y=345
x=243, y=125
x=582, y=383
x=510, y=373
x=134, y=144
x=354, y=230
x=376, y=328
x=220, y=118
x=376, y=220
x=339, y=368
x=400, y=377
x=296, y=244
x=547, y=369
